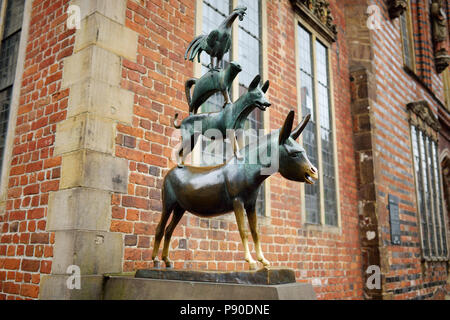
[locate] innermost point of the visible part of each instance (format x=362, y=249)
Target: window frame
x=410, y=39
x=15, y=91
x=316, y=35
x=430, y=135
x=234, y=56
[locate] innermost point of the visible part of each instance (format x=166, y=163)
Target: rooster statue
x=217, y=42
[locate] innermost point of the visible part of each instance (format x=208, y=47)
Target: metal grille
x=419, y=180
x=429, y=195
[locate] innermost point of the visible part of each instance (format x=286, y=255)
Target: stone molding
x=318, y=14
x=421, y=116
x=396, y=7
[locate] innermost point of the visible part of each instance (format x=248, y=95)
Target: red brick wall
x=331, y=261
x=26, y=249
x=404, y=275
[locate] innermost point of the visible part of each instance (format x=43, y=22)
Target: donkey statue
x=232, y=186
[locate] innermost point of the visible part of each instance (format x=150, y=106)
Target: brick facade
x=371, y=91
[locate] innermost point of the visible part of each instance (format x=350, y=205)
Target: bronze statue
x=217, y=42
x=231, y=117
x=211, y=82
x=233, y=186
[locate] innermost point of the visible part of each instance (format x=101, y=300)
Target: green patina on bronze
x=233, y=186
x=232, y=117
x=211, y=82
x=218, y=42
x=264, y=276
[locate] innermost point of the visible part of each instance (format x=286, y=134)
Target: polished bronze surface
x=264, y=276
x=233, y=186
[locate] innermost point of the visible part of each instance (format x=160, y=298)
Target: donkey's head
x=294, y=163
x=256, y=93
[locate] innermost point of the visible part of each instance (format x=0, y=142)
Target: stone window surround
x=15, y=95
x=298, y=20
x=410, y=40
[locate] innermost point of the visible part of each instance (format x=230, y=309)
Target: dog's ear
x=265, y=86
x=254, y=83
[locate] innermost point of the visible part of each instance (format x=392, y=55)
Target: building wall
x=330, y=260
x=26, y=247
x=131, y=121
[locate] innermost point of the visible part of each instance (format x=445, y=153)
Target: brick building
x=87, y=124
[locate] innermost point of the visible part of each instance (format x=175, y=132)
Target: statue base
x=169, y=284
x=265, y=276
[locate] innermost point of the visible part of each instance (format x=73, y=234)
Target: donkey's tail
x=176, y=124
x=187, y=86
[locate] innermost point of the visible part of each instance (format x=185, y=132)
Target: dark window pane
x=5, y=100
x=13, y=17
x=420, y=195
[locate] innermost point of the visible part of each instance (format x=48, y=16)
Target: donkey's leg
x=253, y=223
x=176, y=217
x=239, y=213
x=160, y=232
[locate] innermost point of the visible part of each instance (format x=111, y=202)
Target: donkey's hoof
x=265, y=262
x=253, y=265
x=156, y=264
x=168, y=263
x=179, y=165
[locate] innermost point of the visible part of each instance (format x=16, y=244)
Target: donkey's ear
x=299, y=129
x=285, y=131
x=254, y=83
x=265, y=86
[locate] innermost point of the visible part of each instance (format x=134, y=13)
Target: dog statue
x=211, y=82
x=231, y=117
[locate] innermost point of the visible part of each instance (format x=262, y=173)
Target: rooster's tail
x=195, y=47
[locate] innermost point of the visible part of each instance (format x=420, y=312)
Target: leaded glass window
x=318, y=135
x=429, y=194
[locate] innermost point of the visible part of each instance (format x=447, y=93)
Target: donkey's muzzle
x=311, y=174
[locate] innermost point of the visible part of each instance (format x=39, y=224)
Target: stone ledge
x=128, y=288
x=265, y=276
x=54, y=287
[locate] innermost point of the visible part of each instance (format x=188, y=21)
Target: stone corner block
x=94, y=252
x=98, y=30
x=94, y=63
x=79, y=208
x=113, y=9
x=85, y=132
x=102, y=99
x=96, y=170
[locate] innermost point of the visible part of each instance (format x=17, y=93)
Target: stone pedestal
x=163, y=284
